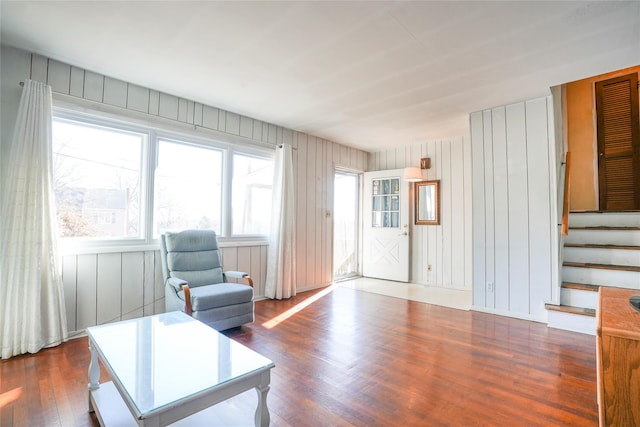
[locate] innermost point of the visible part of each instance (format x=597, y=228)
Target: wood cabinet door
x=618, y=143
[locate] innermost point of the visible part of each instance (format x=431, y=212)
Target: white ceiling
x=372, y=75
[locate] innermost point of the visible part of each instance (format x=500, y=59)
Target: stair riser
x=572, y=322
x=619, y=219
x=579, y=298
x=597, y=276
x=603, y=256
x=604, y=237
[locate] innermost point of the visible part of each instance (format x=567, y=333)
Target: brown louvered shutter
x=618, y=143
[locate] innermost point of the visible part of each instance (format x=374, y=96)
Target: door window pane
x=386, y=203
x=97, y=180
x=188, y=190
x=251, y=194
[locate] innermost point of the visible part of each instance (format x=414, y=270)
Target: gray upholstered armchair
x=196, y=284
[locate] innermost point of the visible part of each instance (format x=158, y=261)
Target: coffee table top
x=163, y=359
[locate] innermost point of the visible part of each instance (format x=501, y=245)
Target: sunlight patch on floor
x=10, y=396
x=298, y=307
x=452, y=298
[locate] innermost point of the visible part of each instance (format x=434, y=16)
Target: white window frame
x=228, y=184
x=88, y=244
x=153, y=133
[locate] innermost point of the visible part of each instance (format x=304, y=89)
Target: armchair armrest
x=240, y=275
x=187, y=299
x=176, y=283
x=182, y=285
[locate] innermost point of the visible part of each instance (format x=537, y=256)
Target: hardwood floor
x=350, y=358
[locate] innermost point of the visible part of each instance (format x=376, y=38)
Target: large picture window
x=118, y=182
x=97, y=180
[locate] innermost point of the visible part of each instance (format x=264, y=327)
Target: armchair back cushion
x=194, y=256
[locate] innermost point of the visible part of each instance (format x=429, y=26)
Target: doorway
x=346, y=221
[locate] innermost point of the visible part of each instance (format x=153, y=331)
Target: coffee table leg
x=262, y=412
x=94, y=374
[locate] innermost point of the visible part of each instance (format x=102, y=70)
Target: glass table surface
x=165, y=358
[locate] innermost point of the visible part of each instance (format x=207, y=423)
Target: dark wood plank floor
x=345, y=357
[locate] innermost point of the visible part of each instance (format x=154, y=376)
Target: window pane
x=187, y=188
x=96, y=173
x=251, y=194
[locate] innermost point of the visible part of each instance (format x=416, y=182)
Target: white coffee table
x=168, y=367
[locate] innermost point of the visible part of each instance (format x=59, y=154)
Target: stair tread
x=581, y=286
x=595, y=246
x=605, y=212
x=605, y=228
x=571, y=309
x=601, y=266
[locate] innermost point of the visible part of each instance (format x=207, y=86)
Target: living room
x=112, y=282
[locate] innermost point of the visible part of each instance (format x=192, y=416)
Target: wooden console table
x=618, y=354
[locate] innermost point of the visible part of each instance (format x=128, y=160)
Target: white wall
x=102, y=287
x=515, y=247
x=446, y=247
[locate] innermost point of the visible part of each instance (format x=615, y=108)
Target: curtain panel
x=281, y=259
x=32, y=312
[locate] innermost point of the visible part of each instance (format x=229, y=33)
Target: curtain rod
x=281, y=145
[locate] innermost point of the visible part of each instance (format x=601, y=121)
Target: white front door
x=386, y=226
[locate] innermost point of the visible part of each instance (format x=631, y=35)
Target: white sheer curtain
x=281, y=260
x=32, y=313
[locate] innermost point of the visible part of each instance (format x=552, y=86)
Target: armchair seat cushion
x=218, y=295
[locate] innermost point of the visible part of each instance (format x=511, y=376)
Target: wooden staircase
x=601, y=249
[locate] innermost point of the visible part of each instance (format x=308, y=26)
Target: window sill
x=86, y=248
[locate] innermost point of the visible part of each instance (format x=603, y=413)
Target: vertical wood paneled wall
x=515, y=247
x=104, y=287
x=445, y=248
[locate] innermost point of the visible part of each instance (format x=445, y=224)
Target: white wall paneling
x=300, y=157
x=439, y=168
x=93, y=86
x=457, y=214
x=514, y=215
x=478, y=218
x=59, y=76
x=518, y=206
x=446, y=248
x=86, y=295
x=132, y=284
x=149, y=283
x=70, y=281
x=111, y=286
x=311, y=196
x=115, y=92
x=39, y=68
x=501, y=211
x=540, y=225
x=467, y=224
x=138, y=98
x=489, y=219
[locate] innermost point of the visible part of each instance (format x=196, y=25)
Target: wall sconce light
x=413, y=173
